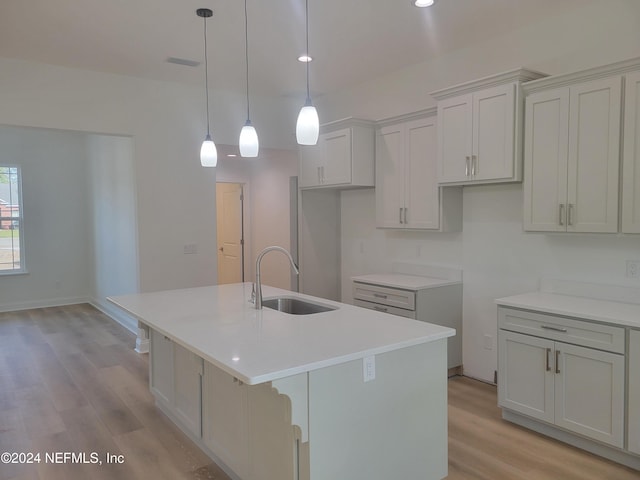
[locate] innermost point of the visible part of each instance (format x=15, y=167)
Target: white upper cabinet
x=480, y=130
x=342, y=158
x=572, y=158
x=573, y=135
x=631, y=156
x=407, y=191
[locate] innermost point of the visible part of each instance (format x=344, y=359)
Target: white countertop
x=618, y=313
x=221, y=326
x=404, y=282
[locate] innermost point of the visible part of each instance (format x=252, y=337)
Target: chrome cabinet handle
x=561, y=216
x=548, y=363
x=466, y=166
x=555, y=329
x=557, y=361
x=400, y=214
x=405, y=215
x=380, y=309
x=570, y=214
x=379, y=295
x=474, y=165
x=319, y=176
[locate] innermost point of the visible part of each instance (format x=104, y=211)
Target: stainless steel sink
x=295, y=306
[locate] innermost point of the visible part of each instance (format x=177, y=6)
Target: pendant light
x=308, y=124
x=248, y=143
x=208, y=151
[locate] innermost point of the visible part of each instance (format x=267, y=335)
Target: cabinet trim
x=517, y=75
x=555, y=81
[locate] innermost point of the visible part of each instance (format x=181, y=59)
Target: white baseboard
x=49, y=302
x=116, y=314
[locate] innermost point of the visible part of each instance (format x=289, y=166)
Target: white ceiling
x=350, y=40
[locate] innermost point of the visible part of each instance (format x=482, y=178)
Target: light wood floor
x=71, y=382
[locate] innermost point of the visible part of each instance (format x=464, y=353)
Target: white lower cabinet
x=576, y=388
x=225, y=418
x=161, y=367
x=176, y=381
x=634, y=392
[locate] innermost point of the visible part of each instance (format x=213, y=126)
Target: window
x=11, y=221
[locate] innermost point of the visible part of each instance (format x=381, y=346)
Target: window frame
x=12, y=218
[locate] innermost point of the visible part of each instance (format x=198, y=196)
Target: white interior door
x=230, y=239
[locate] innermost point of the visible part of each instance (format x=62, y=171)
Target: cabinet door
x=310, y=165
x=225, y=418
x=631, y=156
x=422, y=200
x=493, y=154
x=525, y=382
x=454, y=139
x=161, y=371
x=390, y=176
x=594, y=156
x=188, y=371
x=634, y=392
x=336, y=168
x=589, y=393
x=545, y=160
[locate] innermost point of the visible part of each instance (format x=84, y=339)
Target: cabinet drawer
x=393, y=297
x=577, y=332
x=385, y=309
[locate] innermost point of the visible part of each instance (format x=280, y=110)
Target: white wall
x=267, y=209
x=175, y=195
x=55, y=207
x=112, y=219
x=497, y=257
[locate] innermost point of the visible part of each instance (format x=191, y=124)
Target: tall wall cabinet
x=631, y=156
x=573, y=135
x=480, y=129
x=407, y=191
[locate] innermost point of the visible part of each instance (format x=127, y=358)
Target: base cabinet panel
x=525, y=382
x=589, y=393
x=578, y=389
x=634, y=392
x=161, y=364
x=225, y=419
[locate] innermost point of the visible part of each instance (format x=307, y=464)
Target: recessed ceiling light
x=304, y=58
x=423, y=3
x=231, y=155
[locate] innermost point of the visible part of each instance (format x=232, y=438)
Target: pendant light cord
x=206, y=73
x=246, y=52
x=307, y=28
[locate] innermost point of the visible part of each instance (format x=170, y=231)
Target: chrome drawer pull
x=379, y=295
x=380, y=309
x=555, y=329
x=557, y=361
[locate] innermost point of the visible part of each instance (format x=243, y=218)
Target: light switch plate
x=369, y=368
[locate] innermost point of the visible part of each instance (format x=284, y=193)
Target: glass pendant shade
x=308, y=125
x=208, y=153
x=249, y=144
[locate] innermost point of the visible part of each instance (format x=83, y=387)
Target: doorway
x=230, y=236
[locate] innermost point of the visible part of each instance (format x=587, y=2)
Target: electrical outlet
x=190, y=248
x=369, y=368
x=633, y=269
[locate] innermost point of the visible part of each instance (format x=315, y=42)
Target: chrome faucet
x=257, y=286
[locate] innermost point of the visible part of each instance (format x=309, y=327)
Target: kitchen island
x=341, y=394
